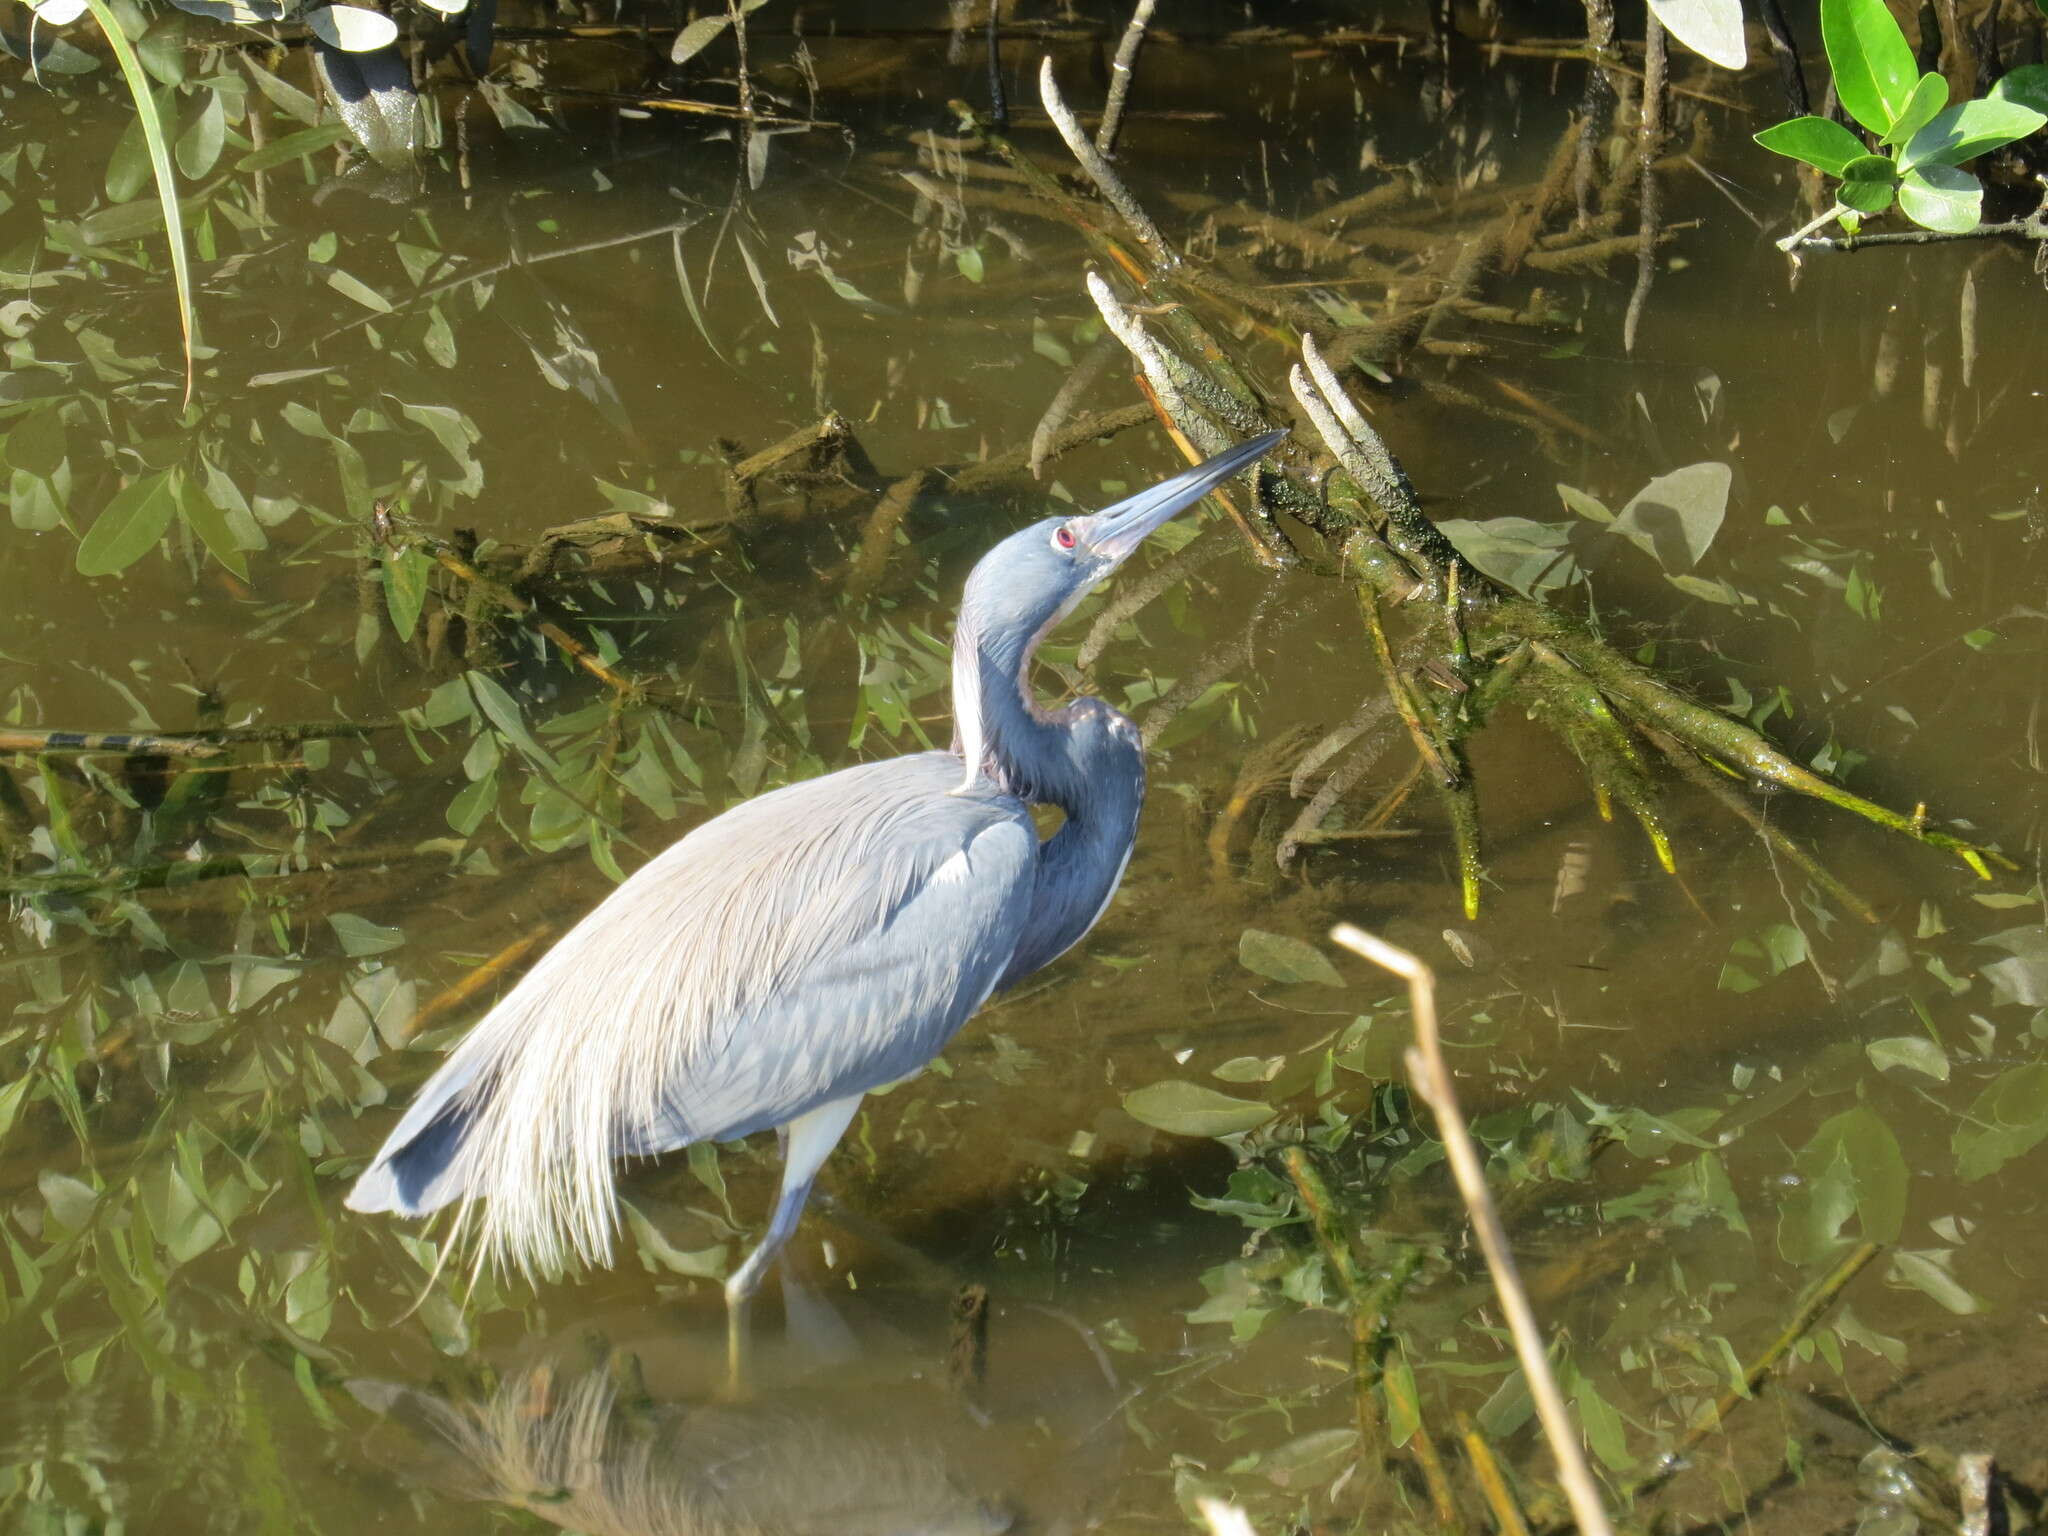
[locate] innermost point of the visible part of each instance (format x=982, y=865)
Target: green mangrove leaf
x=1285, y=959
x=1189, y=1109
x=1874, y=69
x=1941, y=197
x=1868, y=184
x=2027, y=85
x=1971, y=129
x=1675, y=517
x=1710, y=28
x=130, y=525
x=1914, y=1052
x=1928, y=98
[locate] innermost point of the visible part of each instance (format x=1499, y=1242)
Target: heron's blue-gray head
x=1034, y=578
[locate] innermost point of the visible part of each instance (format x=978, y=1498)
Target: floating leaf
x=1519, y=552
x=1285, y=959
x=1710, y=28
x=1189, y=1109
x=351, y=28
x=1676, y=516
x=130, y=525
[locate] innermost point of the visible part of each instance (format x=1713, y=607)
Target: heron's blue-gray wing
x=807, y=945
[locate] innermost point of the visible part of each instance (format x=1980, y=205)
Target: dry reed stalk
x=1431, y=1075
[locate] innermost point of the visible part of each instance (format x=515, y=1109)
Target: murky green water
x=1700, y=1092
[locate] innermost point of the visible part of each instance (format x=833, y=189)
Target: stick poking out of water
x=1432, y=1078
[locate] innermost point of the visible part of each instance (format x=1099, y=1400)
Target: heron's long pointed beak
x=1120, y=529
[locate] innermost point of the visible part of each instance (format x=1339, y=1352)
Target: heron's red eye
x=1064, y=537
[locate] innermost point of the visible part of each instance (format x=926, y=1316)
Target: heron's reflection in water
x=850, y=1439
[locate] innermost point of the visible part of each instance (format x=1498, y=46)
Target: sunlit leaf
x=130, y=525
x=1189, y=1109
x=1710, y=28
x=1967, y=130
x=704, y=31
x=1929, y=96
x=57, y=13
x=1819, y=141
x=2027, y=85
x=1874, y=69
x=1284, y=958
x=1941, y=197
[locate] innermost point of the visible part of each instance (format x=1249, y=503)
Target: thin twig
x=1120, y=77
x=1432, y=1078
x=1649, y=130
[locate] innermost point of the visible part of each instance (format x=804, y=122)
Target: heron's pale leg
x=810, y=1140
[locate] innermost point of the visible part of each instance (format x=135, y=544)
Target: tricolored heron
x=804, y=947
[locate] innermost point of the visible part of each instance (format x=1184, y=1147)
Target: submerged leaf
x=1189, y=1109
x=130, y=525
x=1285, y=959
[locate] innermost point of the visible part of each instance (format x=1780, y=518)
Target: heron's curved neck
x=1003, y=735
x=1083, y=758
